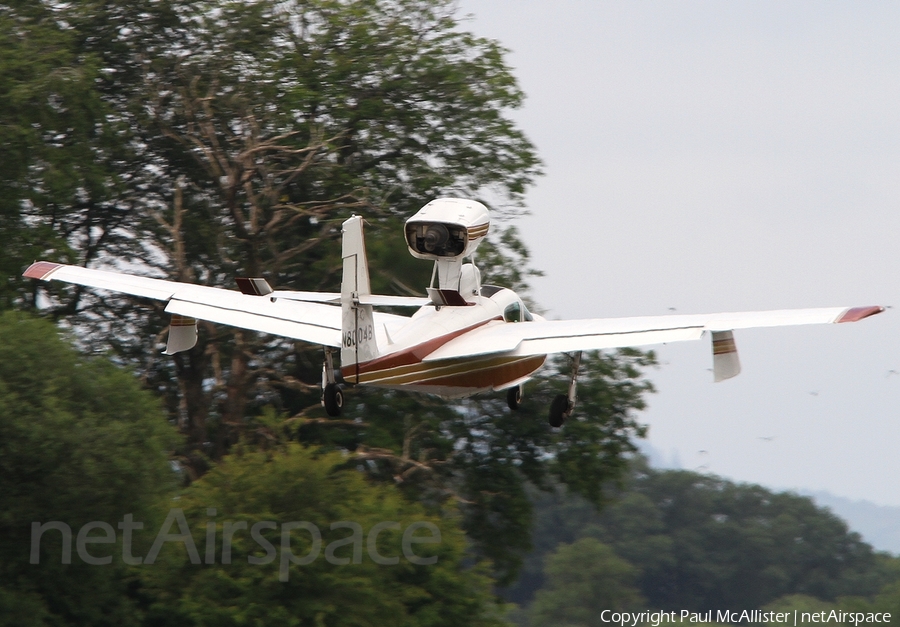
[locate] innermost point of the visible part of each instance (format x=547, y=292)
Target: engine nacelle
x=447, y=228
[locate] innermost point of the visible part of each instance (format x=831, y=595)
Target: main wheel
x=514, y=396
x=333, y=399
x=558, y=409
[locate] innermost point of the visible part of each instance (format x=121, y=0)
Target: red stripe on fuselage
x=493, y=377
x=412, y=355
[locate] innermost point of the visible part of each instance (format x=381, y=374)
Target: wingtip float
x=464, y=338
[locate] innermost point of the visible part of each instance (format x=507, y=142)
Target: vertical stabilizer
x=358, y=326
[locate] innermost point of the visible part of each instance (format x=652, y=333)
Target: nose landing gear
x=564, y=404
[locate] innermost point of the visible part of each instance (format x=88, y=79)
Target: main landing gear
x=514, y=396
x=332, y=399
x=563, y=405
x=332, y=395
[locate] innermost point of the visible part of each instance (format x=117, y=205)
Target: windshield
x=512, y=313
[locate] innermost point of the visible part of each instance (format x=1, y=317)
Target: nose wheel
x=564, y=404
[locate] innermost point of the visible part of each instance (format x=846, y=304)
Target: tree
x=481, y=455
x=349, y=580
x=738, y=546
x=886, y=601
x=702, y=542
x=79, y=442
x=63, y=152
x=240, y=135
x=583, y=579
x=254, y=128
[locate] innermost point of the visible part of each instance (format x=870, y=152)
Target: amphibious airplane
x=464, y=338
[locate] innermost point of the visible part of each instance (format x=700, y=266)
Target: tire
x=333, y=399
x=558, y=409
x=514, y=397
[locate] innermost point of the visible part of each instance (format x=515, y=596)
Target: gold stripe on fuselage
x=424, y=371
x=493, y=377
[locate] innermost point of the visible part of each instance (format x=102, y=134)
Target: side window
x=513, y=313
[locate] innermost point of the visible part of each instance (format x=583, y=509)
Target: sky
x=726, y=156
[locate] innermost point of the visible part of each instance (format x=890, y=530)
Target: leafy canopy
x=201, y=141
x=80, y=441
x=295, y=483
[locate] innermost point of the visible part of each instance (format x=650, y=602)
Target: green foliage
x=222, y=139
x=737, y=546
x=79, y=442
x=49, y=130
x=799, y=602
x=702, y=542
x=295, y=484
x=886, y=601
x=205, y=140
x=64, y=166
x=503, y=260
x=583, y=579
x=480, y=454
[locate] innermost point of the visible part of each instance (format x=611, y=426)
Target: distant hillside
x=879, y=525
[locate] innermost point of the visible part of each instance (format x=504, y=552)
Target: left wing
x=554, y=336
x=314, y=322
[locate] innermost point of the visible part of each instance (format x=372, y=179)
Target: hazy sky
x=727, y=156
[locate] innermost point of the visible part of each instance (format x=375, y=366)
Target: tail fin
x=358, y=324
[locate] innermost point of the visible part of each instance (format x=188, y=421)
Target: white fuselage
x=404, y=347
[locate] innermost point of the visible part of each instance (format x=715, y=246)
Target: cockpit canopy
x=517, y=312
x=514, y=310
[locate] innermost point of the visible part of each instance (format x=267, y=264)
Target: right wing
x=542, y=337
x=315, y=322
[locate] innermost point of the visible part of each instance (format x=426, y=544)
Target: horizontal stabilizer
x=334, y=298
